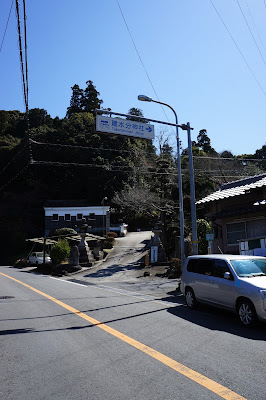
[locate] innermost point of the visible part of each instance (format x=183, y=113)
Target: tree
x=90, y=101
x=38, y=117
x=261, y=153
x=226, y=154
x=204, y=142
x=76, y=101
x=137, y=112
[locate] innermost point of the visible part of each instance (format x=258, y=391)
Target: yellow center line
x=202, y=380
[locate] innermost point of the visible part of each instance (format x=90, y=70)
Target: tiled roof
x=260, y=203
x=235, y=188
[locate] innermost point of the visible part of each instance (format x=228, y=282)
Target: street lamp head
x=142, y=97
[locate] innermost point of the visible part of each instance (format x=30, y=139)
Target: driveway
x=124, y=269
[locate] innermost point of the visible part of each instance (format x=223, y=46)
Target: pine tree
x=90, y=101
x=76, y=101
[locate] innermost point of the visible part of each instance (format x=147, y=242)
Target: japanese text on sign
x=124, y=127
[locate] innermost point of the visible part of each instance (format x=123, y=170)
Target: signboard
x=125, y=127
x=154, y=254
x=210, y=237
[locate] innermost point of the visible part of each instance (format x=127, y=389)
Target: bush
x=112, y=234
x=64, y=232
x=175, y=268
x=108, y=242
x=22, y=263
x=60, y=252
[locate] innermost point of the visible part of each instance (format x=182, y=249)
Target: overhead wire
x=203, y=158
x=253, y=37
x=238, y=48
x=138, y=54
x=250, y=13
x=24, y=72
x=21, y=55
x=6, y=26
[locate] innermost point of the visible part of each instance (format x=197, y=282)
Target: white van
x=236, y=283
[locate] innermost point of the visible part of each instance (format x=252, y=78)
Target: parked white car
x=37, y=258
x=236, y=283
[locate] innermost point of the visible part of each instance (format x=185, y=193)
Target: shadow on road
x=218, y=320
x=113, y=269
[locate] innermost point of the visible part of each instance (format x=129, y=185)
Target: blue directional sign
x=125, y=127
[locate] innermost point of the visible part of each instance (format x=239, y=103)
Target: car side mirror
x=227, y=275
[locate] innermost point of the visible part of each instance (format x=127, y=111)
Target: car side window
x=219, y=267
x=205, y=267
x=199, y=266
x=192, y=265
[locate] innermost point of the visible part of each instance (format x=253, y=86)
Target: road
x=88, y=337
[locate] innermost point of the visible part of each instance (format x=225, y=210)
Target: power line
x=121, y=151
x=255, y=25
x=21, y=55
x=6, y=26
x=251, y=32
x=141, y=61
x=238, y=48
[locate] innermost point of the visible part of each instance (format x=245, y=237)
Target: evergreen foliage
x=60, y=252
x=83, y=164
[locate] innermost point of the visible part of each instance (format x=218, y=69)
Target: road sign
x=125, y=127
x=210, y=237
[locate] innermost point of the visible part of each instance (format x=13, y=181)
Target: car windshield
x=249, y=267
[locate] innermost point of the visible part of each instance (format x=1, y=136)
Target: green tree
x=204, y=142
x=76, y=101
x=90, y=101
x=38, y=117
x=136, y=112
x=203, y=227
x=261, y=153
x=60, y=252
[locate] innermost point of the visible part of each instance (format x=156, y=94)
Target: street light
x=181, y=212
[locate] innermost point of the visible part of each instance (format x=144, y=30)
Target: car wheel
x=247, y=313
x=191, y=299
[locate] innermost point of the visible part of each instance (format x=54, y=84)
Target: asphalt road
x=105, y=337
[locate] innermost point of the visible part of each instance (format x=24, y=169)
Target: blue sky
x=213, y=76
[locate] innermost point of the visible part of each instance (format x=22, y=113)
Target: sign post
x=210, y=239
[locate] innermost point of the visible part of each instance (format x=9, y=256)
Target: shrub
x=60, y=252
x=175, y=268
x=22, y=263
x=63, y=232
x=112, y=234
x=108, y=242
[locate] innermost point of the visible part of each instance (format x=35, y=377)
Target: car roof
x=225, y=256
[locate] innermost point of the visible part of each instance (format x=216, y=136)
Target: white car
x=37, y=258
x=236, y=283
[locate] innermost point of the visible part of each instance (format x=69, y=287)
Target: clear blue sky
x=194, y=62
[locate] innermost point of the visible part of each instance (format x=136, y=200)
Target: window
x=256, y=228
x=67, y=217
x=200, y=266
x=245, y=230
x=236, y=232
x=219, y=267
x=55, y=217
x=79, y=217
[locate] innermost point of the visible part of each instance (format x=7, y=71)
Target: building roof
x=235, y=188
x=67, y=203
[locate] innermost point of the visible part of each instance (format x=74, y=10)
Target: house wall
x=97, y=218
x=250, y=217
